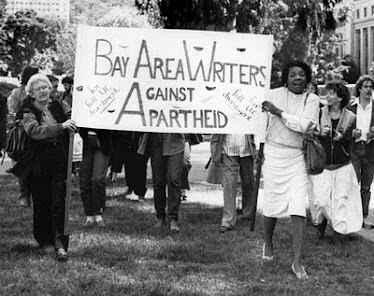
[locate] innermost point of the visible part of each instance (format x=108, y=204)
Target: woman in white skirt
x=337, y=198
x=293, y=113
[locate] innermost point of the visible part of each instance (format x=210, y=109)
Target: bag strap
x=306, y=98
x=2, y=161
x=313, y=134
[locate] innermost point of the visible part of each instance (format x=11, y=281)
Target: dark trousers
x=92, y=176
x=48, y=192
x=24, y=186
x=364, y=171
x=135, y=170
x=186, y=167
x=166, y=170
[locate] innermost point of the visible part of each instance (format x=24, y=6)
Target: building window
x=372, y=9
x=357, y=13
x=365, y=12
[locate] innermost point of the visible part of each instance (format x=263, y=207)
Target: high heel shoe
x=300, y=275
x=264, y=257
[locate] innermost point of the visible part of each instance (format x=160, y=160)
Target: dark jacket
x=3, y=120
x=105, y=138
x=172, y=143
x=216, y=145
x=31, y=161
x=338, y=153
x=369, y=147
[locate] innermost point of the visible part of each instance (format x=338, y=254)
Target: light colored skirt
x=337, y=198
x=286, y=182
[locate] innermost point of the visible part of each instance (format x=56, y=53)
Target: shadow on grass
x=131, y=226
x=131, y=257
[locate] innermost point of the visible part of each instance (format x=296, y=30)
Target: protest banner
x=178, y=81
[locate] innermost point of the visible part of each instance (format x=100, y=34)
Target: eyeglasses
x=41, y=88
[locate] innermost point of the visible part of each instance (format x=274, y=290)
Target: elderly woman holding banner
x=293, y=113
x=46, y=122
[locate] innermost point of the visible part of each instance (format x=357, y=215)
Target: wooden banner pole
x=68, y=183
x=257, y=187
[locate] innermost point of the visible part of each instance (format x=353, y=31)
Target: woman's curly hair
x=302, y=65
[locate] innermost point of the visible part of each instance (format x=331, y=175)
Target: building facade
x=344, y=31
x=363, y=34
x=51, y=8
x=357, y=33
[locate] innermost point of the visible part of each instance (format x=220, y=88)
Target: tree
x=298, y=26
x=24, y=35
x=66, y=46
x=126, y=17
x=108, y=13
x=91, y=11
x=2, y=8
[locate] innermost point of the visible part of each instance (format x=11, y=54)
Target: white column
x=362, y=53
x=370, y=49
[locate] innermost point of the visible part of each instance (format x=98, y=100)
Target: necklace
x=300, y=100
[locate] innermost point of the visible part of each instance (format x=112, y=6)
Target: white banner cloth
x=155, y=80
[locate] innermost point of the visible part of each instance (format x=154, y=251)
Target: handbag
x=315, y=155
x=18, y=143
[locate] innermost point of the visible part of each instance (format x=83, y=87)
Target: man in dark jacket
x=363, y=148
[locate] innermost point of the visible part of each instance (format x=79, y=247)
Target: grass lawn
x=131, y=257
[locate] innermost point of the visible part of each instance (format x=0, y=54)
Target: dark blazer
x=104, y=136
x=216, y=143
x=370, y=146
x=172, y=144
x=3, y=120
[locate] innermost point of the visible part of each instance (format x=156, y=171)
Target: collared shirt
x=363, y=119
x=237, y=145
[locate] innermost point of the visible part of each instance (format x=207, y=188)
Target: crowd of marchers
x=339, y=196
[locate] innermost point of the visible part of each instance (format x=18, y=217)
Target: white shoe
x=367, y=223
x=174, y=226
x=99, y=221
x=133, y=197
x=90, y=220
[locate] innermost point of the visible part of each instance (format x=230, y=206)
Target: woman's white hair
x=36, y=78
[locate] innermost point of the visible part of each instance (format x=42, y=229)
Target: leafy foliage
x=108, y=13
x=91, y=11
x=23, y=35
x=298, y=26
x=2, y=8
x=124, y=17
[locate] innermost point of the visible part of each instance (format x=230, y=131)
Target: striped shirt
x=237, y=145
